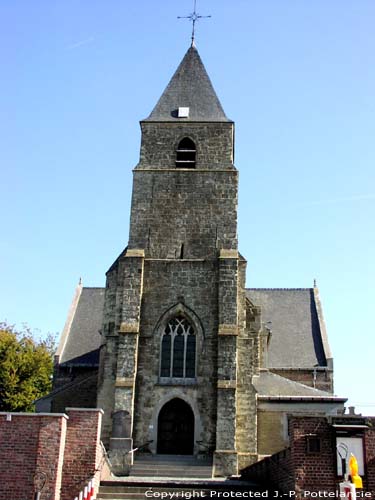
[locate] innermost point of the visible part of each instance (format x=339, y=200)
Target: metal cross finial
x=193, y=17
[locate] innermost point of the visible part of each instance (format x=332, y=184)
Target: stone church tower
x=186, y=360
x=175, y=312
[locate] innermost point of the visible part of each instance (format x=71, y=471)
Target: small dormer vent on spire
x=183, y=112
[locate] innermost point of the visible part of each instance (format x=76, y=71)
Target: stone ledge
x=230, y=169
x=228, y=330
x=99, y=410
x=135, y=252
x=226, y=384
x=129, y=328
x=228, y=254
x=177, y=381
x=124, y=382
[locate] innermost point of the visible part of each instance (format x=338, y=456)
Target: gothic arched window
x=186, y=153
x=178, y=346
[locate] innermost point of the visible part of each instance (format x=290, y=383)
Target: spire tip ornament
x=193, y=17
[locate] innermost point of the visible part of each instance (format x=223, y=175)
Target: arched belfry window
x=178, y=348
x=186, y=154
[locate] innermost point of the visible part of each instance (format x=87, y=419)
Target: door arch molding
x=175, y=434
x=173, y=394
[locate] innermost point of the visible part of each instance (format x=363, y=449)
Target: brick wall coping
x=26, y=414
x=99, y=410
x=52, y=415
x=349, y=426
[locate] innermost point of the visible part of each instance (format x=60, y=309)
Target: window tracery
x=178, y=349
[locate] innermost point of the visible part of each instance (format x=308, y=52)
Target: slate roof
x=269, y=384
x=189, y=87
x=80, y=342
x=296, y=340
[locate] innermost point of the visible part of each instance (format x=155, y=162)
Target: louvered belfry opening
x=186, y=154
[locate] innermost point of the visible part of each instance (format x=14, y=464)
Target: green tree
x=26, y=366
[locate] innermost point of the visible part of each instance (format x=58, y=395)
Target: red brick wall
x=82, y=458
x=296, y=470
x=314, y=471
x=274, y=472
x=324, y=379
x=370, y=456
x=31, y=447
x=63, y=450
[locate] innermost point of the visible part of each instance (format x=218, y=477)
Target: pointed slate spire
x=190, y=87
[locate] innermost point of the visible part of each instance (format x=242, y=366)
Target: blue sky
x=297, y=77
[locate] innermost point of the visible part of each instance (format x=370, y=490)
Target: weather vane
x=193, y=17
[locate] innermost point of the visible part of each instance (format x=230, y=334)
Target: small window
x=186, y=154
x=313, y=444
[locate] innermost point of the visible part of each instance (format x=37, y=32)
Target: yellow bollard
x=353, y=466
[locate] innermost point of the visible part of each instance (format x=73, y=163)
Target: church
x=180, y=355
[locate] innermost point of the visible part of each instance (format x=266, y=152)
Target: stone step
x=173, y=490
x=174, y=466
x=153, y=493
x=171, y=473
x=169, y=465
x=181, y=459
x=179, y=465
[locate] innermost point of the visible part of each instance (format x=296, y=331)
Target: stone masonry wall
x=225, y=458
x=181, y=219
x=121, y=327
x=189, y=287
x=184, y=213
x=214, y=143
x=189, y=212
x=108, y=353
x=249, y=326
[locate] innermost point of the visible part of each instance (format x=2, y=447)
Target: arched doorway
x=176, y=428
